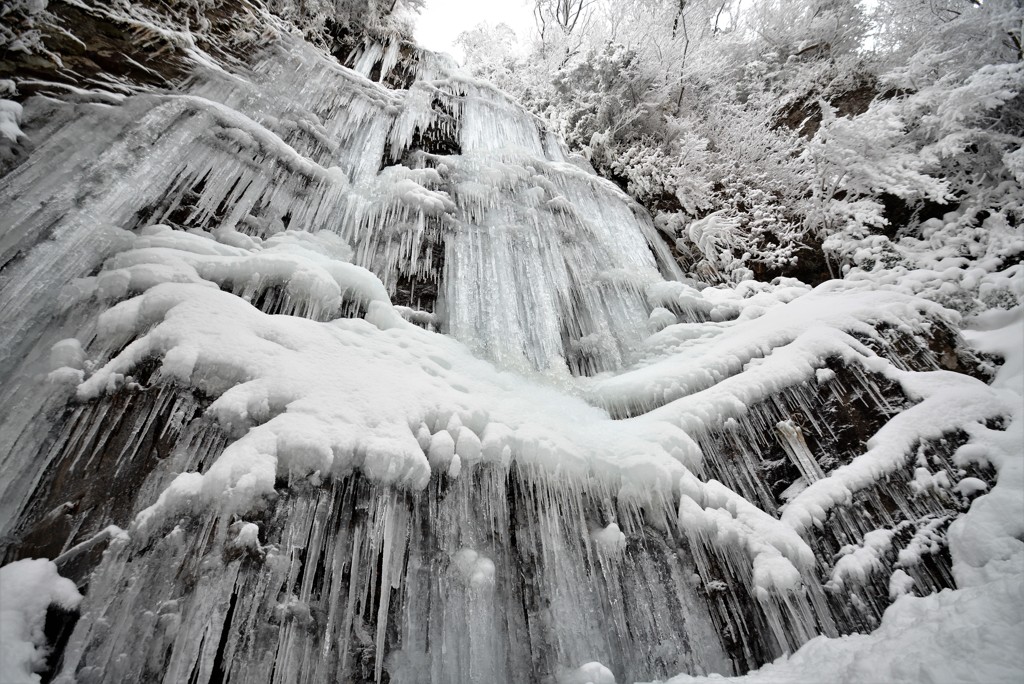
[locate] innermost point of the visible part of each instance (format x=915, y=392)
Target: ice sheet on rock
x=494, y=124
x=964, y=635
x=412, y=583
x=530, y=284
x=968, y=634
x=277, y=376
x=792, y=340
x=299, y=264
x=949, y=401
x=296, y=427
x=721, y=516
x=372, y=53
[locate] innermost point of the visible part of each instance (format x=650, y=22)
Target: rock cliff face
x=338, y=368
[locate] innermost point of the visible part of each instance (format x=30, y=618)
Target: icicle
x=796, y=448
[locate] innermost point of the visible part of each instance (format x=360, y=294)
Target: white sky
x=442, y=20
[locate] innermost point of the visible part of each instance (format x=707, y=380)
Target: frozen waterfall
x=318, y=373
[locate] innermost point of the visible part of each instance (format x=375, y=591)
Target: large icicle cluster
x=313, y=379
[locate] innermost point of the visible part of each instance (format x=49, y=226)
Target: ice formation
x=382, y=385
x=27, y=589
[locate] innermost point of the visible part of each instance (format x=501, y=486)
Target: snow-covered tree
x=809, y=125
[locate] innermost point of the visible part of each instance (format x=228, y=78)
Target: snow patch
x=27, y=589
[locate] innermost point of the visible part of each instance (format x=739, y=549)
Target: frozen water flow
x=387, y=387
